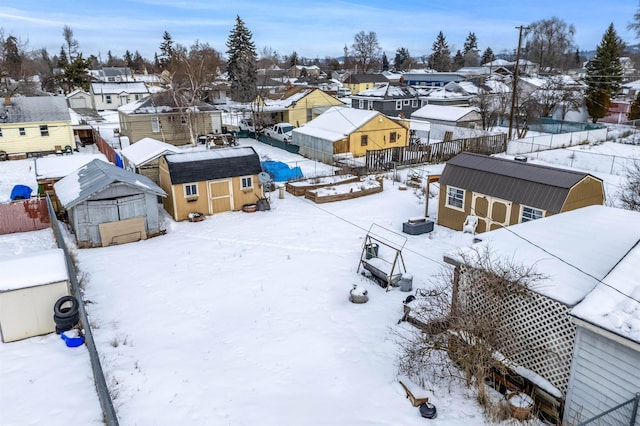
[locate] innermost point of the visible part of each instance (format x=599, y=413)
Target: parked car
x=280, y=132
x=246, y=125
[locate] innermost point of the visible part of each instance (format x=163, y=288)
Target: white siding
x=604, y=374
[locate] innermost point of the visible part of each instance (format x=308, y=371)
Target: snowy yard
x=241, y=319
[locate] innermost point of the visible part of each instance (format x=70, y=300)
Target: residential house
x=348, y=130
x=573, y=254
x=113, y=74
x=605, y=369
x=502, y=192
x=143, y=157
x=209, y=182
x=158, y=116
x=111, y=96
x=302, y=70
x=449, y=115
x=631, y=89
x=32, y=126
x=297, y=105
x=359, y=82
x=431, y=79
x=387, y=99
x=108, y=205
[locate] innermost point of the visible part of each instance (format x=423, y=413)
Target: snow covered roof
x=59, y=166
x=442, y=113
x=147, y=149
x=574, y=250
x=162, y=102
x=497, y=63
x=95, y=176
x=387, y=91
x=35, y=109
x=337, y=123
x=614, y=304
x=100, y=88
x=44, y=267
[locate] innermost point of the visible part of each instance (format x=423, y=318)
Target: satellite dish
x=264, y=177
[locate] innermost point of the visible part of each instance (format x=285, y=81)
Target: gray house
x=392, y=101
x=108, y=205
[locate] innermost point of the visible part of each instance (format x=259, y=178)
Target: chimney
x=7, y=100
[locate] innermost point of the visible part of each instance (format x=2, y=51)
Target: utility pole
x=515, y=81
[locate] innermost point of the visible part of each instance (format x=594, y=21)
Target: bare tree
x=630, y=188
x=366, y=49
x=550, y=43
x=556, y=94
x=459, y=321
x=72, y=43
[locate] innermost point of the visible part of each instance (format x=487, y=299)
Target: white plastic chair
x=470, y=224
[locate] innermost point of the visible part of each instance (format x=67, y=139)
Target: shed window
x=191, y=190
x=155, y=125
x=364, y=140
x=455, y=197
x=22, y=131
x=398, y=105
x=247, y=182
x=44, y=130
x=529, y=213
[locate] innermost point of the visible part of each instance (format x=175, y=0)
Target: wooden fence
x=107, y=149
x=24, y=216
x=388, y=158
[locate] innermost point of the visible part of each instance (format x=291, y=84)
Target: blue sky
x=314, y=29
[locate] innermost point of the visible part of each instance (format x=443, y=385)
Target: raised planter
x=300, y=187
x=520, y=405
x=345, y=191
x=417, y=226
x=250, y=208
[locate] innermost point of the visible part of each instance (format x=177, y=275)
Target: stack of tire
x=66, y=313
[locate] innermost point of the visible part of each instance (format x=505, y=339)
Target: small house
x=209, y=182
x=359, y=82
x=390, y=100
x=347, y=130
x=31, y=285
x=297, y=105
x=79, y=99
x=108, y=205
x=112, y=95
x=143, y=156
x=502, y=192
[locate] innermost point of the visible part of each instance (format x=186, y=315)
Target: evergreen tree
x=441, y=57
x=634, y=111
x=293, y=59
x=63, y=60
x=128, y=59
x=385, y=62
x=166, y=50
x=110, y=60
x=604, y=74
x=402, y=60
x=458, y=60
x=242, y=63
x=74, y=75
x=487, y=56
x=471, y=43
x=138, y=62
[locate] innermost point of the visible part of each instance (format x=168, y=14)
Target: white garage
x=31, y=284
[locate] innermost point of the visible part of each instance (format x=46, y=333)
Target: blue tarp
x=280, y=172
x=20, y=192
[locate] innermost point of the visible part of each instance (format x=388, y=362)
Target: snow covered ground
x=242, y=319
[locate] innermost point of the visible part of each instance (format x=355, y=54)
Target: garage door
x=220, y=196
x=78, y=102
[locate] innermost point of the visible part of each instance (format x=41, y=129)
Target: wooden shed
x=143, y=156
x=210, y=181
x=108, y=205
x=502, y=192
x=31, y=285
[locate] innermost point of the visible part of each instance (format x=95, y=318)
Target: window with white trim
x=190, y=190
x=361, y=104
x=529, y=213
x=155, y=124
x=455, y=197
x=406, y=102
x=108, y=99
x=370, y=105
x=398, y=105
x=44, y=130
x=246, y=182
x=414, y=102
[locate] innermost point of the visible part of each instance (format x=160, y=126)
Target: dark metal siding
x=214, y=168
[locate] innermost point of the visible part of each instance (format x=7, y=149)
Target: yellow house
x=297, y=105
x=209, y=182
x=35, y=125
x=342, y=130
x=359, y=82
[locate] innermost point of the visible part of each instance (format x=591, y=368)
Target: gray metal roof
x=34, y=109
x=213, y=164
x=533, y=185
x=95, y=176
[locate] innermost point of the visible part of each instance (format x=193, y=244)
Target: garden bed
x=300, y=187
x=346, y=191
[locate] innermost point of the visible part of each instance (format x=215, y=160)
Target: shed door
x=220, y=196
x=131, y=206
x=78, y=102
x=100, y=211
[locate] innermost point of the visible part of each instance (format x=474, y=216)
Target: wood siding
x=172, y=131
x=60, y=134
x=298, y=114
x=377, y=132
x=604, y=373
x=587, y=192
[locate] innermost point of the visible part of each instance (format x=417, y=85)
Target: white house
x=111, y=96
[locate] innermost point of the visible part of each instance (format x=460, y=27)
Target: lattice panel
x=538, y=329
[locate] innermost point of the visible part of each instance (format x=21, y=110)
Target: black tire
x=66, y=322
x=61, y=312
x=61, y=329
